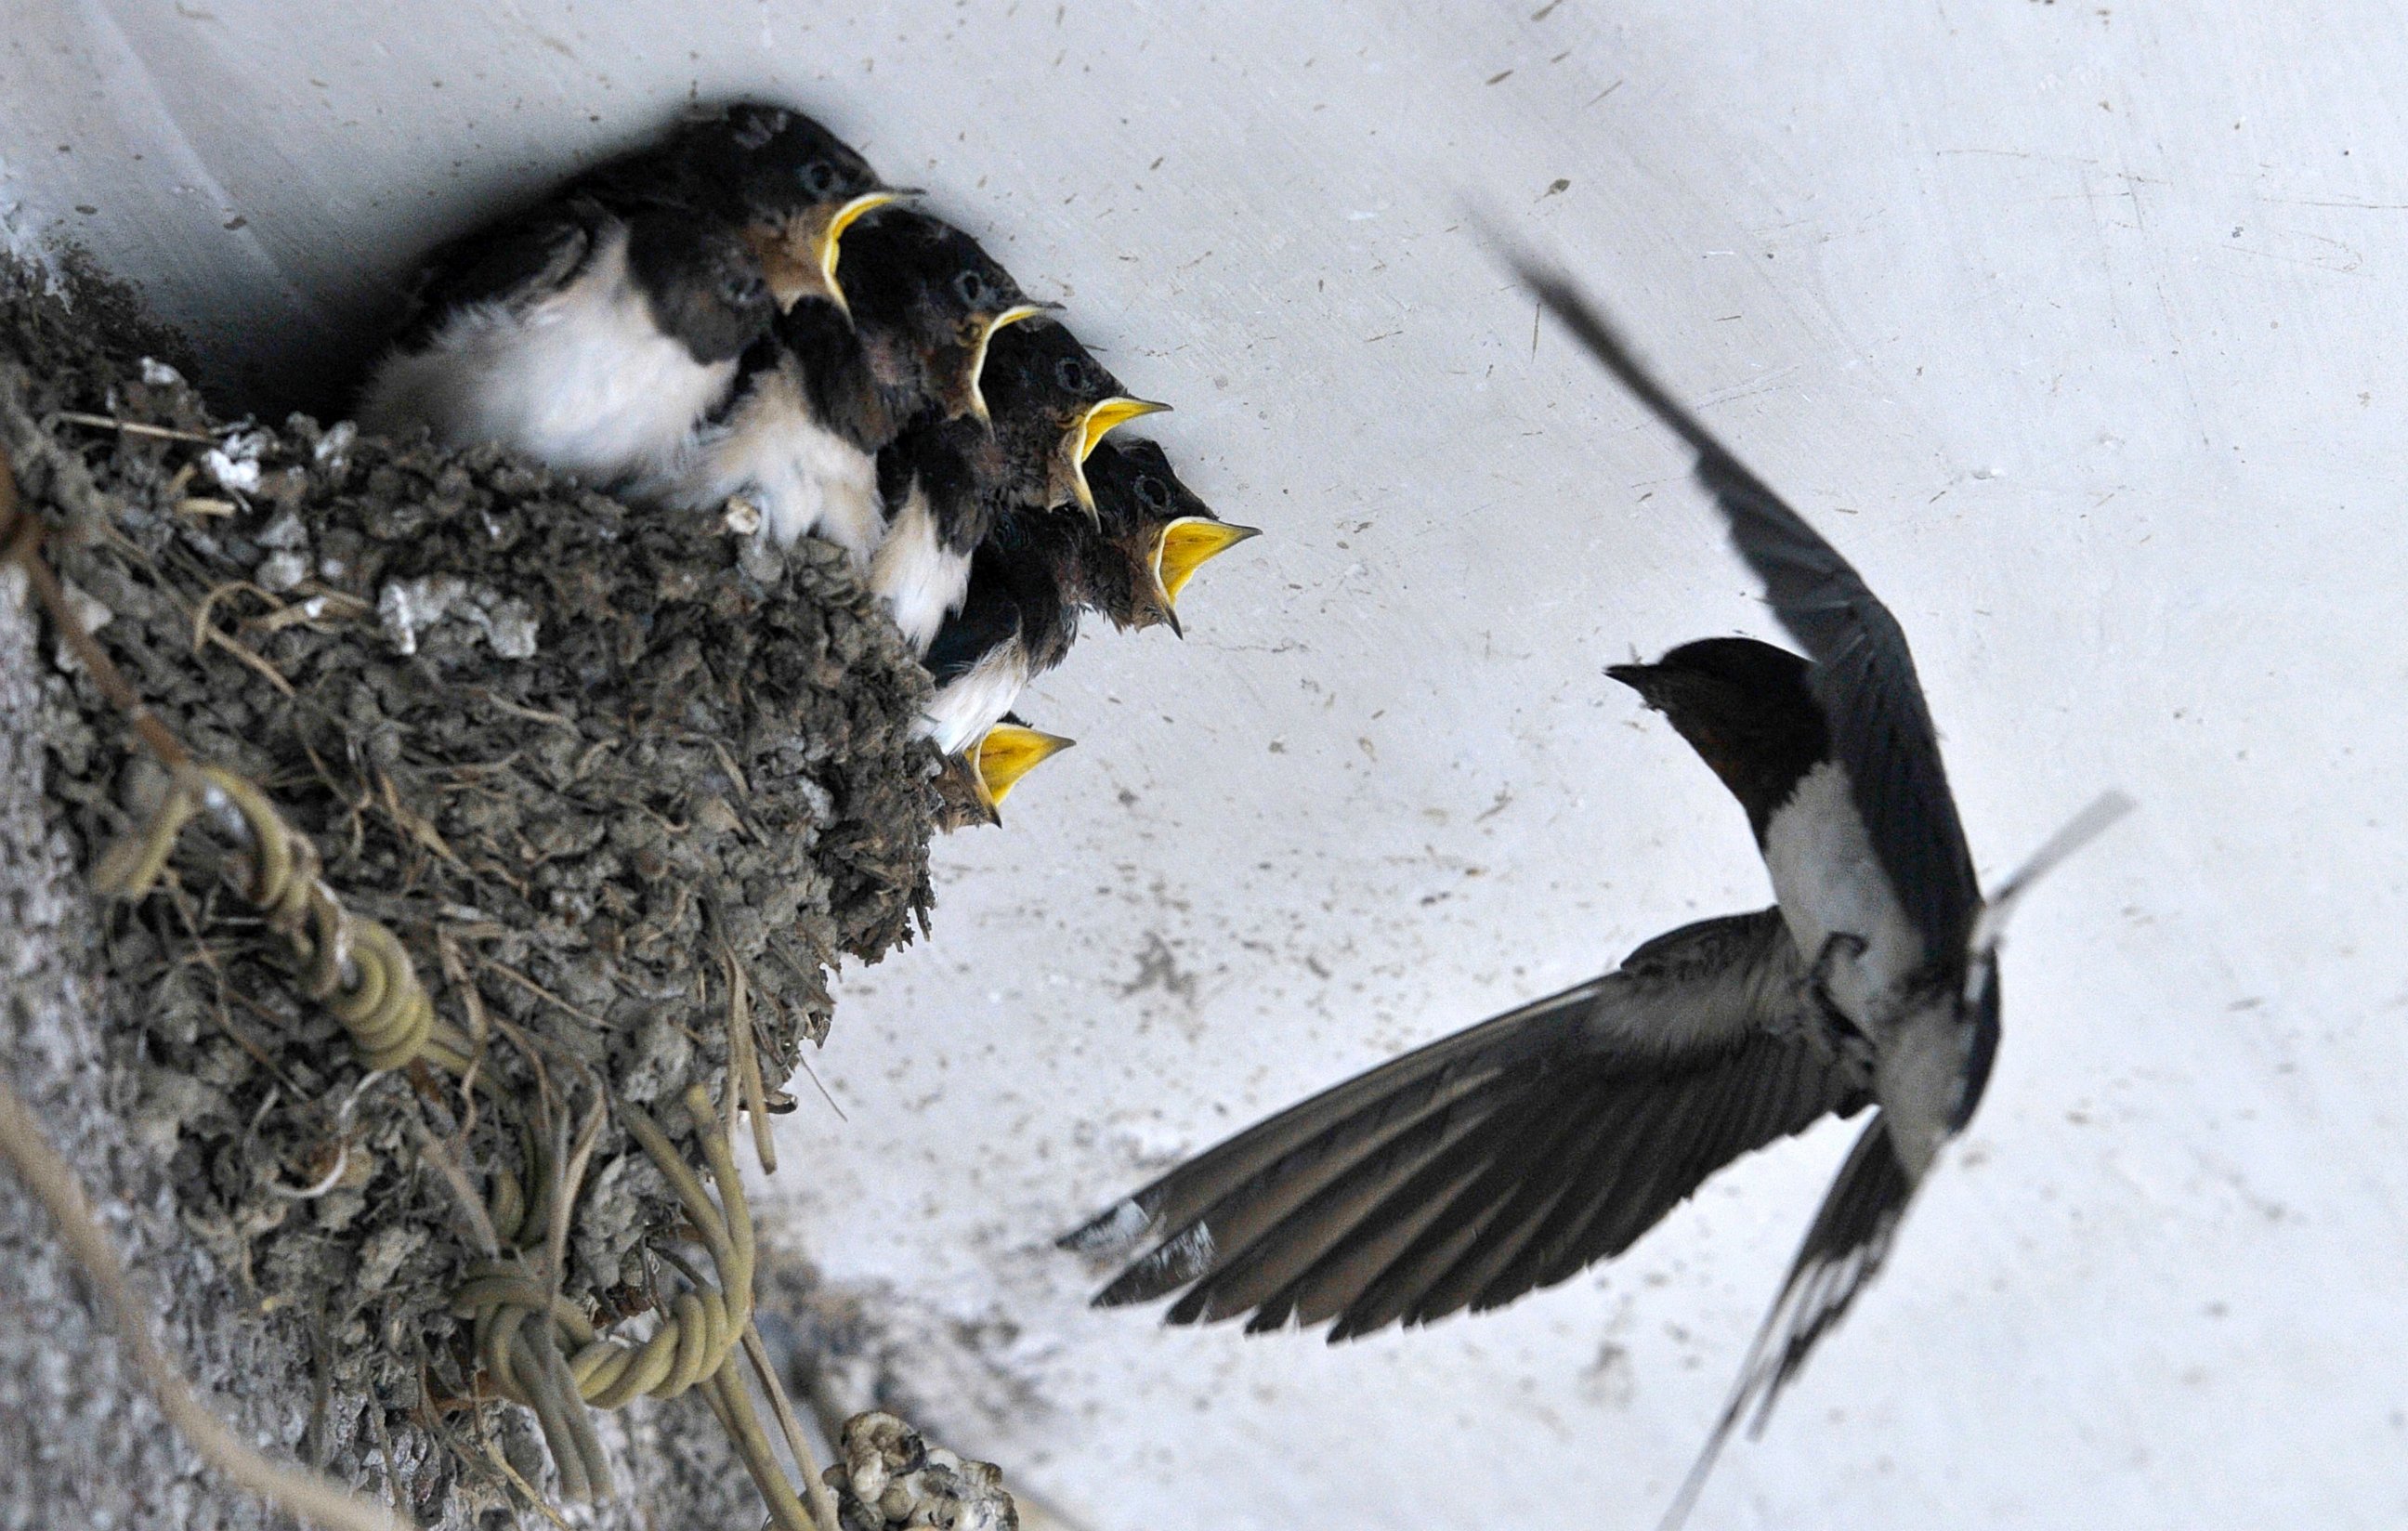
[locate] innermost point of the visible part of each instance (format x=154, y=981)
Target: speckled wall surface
x=2077, y=326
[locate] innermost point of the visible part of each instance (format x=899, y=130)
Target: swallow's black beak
x=1638, y=678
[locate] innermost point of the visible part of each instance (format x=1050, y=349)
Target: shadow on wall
x=301, y=335
x=283, y=278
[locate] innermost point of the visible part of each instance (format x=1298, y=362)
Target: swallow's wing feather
x=1843, y=1249
x=1864, y=674
x=1505, y=1157
x=515, y=264
x=989, y=617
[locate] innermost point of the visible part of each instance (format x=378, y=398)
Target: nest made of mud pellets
x=888, y=1478
x=618, y=782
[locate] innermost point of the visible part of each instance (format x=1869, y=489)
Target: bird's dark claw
x=1840, y=945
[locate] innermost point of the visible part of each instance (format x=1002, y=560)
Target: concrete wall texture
x=2076, y=325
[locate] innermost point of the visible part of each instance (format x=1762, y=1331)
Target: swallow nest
x=887, y=1478
x=624, y=786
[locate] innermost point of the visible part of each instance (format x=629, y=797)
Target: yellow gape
x=1008, y=752
x=1185, y=547
x=986, y=336
x=824, y=245
x=1091, y=427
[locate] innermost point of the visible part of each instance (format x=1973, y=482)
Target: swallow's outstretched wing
x=1864, y=675
x=1505, y=1157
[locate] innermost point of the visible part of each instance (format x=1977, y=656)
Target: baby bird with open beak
x=974, y=781
x=1033, y=577
x=789, y=189
x=950, y=482
x=1157, y=533
x=593, y=329
x=903, y=330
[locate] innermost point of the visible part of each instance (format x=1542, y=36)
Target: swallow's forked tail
x=2079, y=831
x=1844, y=1248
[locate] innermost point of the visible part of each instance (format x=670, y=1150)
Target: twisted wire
x=352, y=965
x=694, y=1345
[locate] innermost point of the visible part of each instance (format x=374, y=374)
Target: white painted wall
x=2075, y=325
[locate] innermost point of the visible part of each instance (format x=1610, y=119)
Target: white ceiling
x=2076, y=326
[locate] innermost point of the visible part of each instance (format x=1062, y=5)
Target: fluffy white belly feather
x=583, y=379
x=921, y=581
x=1829, y=883
x=974, y=701
x=774, y=452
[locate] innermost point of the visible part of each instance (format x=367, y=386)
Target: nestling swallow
x=1054, y=403
x=934, y=296
x=949, y=483
x=828, y=389
x=1159, y=533
x=973, y=782
x=1013, y=625
x=787, y=186
x=1036, y=574
x=1512, y=1155
x=593, y=330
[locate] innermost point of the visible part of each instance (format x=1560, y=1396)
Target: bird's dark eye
x=971, y=288
x=818, y=178
x=1153, y=492
x=742, y=289
x=1071, y=373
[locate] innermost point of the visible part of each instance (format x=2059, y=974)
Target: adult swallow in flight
x=593, y=330
x=949, y=483
x=1515, y=1154
x=973, y=782
x=833, y=384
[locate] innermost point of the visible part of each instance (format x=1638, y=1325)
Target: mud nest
x=625, y=785
x=888, y=1478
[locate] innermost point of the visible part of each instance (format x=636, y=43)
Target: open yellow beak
x=823, y=246
x=1185, y=546
x=978, y=353
x=1093, y=427
x=1008, y=752
x=1103, y=415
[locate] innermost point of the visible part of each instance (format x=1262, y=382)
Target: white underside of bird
x=1829, y=883
x=581, y=379
x=921, y=581
x=804, y=478
x=974, y=701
